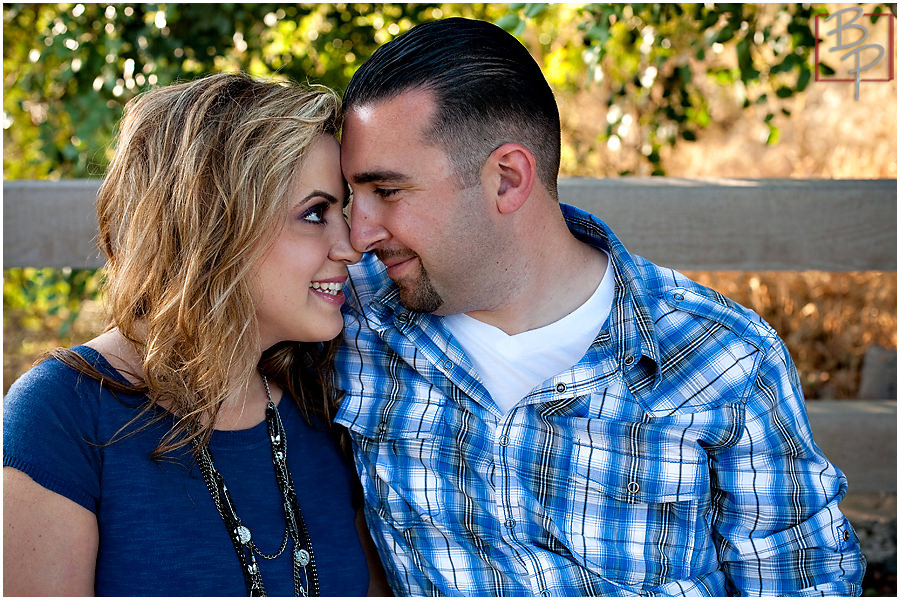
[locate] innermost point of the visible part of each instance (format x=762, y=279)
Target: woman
x=185, y=451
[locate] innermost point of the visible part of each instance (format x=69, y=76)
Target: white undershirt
x=510, y=366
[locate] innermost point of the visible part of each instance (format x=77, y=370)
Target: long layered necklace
x=306, y=577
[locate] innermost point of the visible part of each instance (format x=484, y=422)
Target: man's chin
x=420, y=298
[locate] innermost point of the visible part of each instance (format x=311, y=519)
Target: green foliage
x=70, y=68
x=659, y=65
x=37, y=296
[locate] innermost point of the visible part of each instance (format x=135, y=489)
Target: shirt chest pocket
x=636, y=516
x=397, y=452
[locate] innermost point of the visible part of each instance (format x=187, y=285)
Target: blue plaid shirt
x=674, y=458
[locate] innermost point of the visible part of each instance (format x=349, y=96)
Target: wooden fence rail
x=703, y=224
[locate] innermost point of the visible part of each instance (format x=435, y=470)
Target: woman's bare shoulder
x=118, y=352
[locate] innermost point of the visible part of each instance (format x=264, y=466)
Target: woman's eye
x=316, y=214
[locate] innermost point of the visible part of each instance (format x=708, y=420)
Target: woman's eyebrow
x=320, y=194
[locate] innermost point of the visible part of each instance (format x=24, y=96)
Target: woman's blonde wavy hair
x=198, y=184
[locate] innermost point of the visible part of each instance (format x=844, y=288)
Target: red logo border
x=890, y=50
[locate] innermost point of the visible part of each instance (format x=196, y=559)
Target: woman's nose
x=342, y=250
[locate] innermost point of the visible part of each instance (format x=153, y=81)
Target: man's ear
x=512, y=176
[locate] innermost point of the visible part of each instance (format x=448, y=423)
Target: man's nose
x=366, y=230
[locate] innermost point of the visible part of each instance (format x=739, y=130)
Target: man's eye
x=316, y=214
x=385, y=192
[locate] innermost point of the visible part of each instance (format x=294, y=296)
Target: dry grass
x=827, y=320
x=25, y=338
x=827, y=135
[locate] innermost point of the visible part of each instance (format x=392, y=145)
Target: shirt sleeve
x=49, y=431
x=775, y=519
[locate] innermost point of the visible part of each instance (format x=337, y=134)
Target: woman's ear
x=511, y=177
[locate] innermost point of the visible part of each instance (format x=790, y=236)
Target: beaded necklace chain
x=305, y=574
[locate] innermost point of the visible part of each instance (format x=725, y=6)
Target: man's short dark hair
x=487, y=87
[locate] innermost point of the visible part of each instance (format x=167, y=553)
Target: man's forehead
x=382, y=129
x=411, y=107
x=364, y=113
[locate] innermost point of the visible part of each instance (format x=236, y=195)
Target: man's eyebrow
x=380, y=176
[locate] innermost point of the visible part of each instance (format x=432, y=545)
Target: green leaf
x=723, y=76
x=787, y=64
x=804, y=78
x=735, y=13
x=824, y=69
x=725, y=35
x=599, y=33
x=508, y=22
x=745, y=62
x=70, y=152
x=801, y=34
x=709, y=19
x=784, y=92
x=533, y=10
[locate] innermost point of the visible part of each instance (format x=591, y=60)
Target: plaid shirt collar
x=636, y=344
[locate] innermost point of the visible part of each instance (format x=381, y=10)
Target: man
x=535, y=411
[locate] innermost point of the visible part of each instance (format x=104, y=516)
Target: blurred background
x=686, y=90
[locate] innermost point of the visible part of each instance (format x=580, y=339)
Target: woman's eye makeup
x=319, y=204
x=316, y=213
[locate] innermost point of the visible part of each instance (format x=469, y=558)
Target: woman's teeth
x=328, y=288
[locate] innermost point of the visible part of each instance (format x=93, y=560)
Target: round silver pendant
x=243, y=534
x=302, y=557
